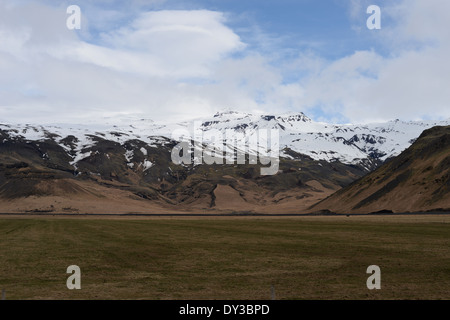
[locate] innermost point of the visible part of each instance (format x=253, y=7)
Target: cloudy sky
x=171, y=60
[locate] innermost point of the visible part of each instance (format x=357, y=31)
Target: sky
x=173, y=60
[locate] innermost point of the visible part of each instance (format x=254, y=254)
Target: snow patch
x=80, y=156
x=129, y=155
x=144, y=151
x=147, y=165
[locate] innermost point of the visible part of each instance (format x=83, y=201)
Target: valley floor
x=315, y=257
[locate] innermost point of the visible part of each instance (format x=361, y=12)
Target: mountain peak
x=230, y=113
x=294, y=117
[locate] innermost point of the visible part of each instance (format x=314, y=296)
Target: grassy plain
x=226, y=258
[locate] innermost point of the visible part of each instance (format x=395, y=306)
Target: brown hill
x=417, y=180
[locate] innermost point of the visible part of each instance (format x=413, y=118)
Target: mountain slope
x=27, y=186
x=416, y=180
x=366, y=145
x=126, y=166
x=134, y=176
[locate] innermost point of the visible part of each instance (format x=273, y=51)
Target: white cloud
x=425, y=21
x=409, y=83
x=177, y=64
x=48, y=74
x=181, y=43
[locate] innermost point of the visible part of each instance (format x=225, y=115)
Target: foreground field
x=226, y=258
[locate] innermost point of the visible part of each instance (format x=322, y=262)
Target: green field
x=226, y=258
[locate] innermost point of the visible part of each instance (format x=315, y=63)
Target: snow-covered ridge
x=321, y=141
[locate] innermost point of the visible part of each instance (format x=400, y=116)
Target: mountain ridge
x=87, y=168
x=417, y=180
x=350, y=144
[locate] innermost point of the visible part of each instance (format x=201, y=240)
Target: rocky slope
x=417, y=180
x=126, y=167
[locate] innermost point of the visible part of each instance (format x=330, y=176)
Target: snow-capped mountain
x=418, y=180
x=126, y=165
x=323, y=141
x=349, y=144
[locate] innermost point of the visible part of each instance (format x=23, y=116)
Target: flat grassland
x=226, y=258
